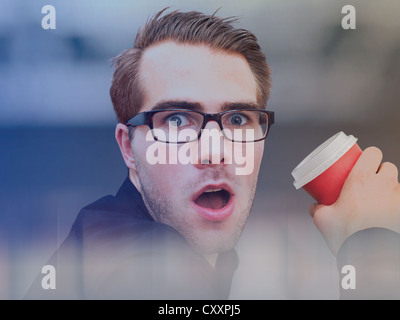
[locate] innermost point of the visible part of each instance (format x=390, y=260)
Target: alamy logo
x=238, y=153
x=49, y=280
x=349, y=20
x=349, y=280
x=49, y=20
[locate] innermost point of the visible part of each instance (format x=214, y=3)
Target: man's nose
x=212, y=146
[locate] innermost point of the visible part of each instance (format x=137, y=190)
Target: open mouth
x=215, y=202
x=213, y=199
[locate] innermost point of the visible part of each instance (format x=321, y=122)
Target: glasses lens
x=245, y=125
x=176, y=126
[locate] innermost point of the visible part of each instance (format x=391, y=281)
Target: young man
x=171, y=229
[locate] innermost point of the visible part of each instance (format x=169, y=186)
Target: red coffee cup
x=323, y=172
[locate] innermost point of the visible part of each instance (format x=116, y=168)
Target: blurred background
x=57, y=124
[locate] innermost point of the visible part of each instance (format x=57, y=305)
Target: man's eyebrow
x=239, y=105
x=178, y=104
x=196, y=106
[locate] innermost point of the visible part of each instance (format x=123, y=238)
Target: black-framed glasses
x=184, y=125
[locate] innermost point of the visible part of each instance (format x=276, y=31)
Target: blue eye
x=237, y=119
x=177, y=120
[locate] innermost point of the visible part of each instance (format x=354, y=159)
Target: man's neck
x=212, y=259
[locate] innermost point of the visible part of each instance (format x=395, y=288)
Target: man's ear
x=122, y=137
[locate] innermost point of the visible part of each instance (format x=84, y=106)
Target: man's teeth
x=212, y=190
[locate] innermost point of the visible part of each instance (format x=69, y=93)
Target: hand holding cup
x=370, y=197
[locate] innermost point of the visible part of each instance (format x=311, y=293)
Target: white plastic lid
x=322, y=158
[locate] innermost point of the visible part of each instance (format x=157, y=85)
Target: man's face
x=207, y=203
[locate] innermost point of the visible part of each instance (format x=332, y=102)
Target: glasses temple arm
x=138, y=120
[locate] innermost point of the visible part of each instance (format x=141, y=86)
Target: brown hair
x=190, y=28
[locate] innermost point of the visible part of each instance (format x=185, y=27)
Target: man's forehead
x=195, y=73
x=177, y=54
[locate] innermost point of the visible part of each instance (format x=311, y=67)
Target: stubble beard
x=164, y=210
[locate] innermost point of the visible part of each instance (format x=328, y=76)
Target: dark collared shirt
x=115, y=250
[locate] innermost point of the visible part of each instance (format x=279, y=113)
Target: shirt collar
x=132, y=200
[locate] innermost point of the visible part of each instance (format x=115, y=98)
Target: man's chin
x=215, y=247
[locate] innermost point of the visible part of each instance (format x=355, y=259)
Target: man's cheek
x=169, y=177
x=258, y=155
x=247, y=182
x=247, y=158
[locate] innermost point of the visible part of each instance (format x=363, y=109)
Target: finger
x=312, y=209
x=369, y=160
x=389, y=169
